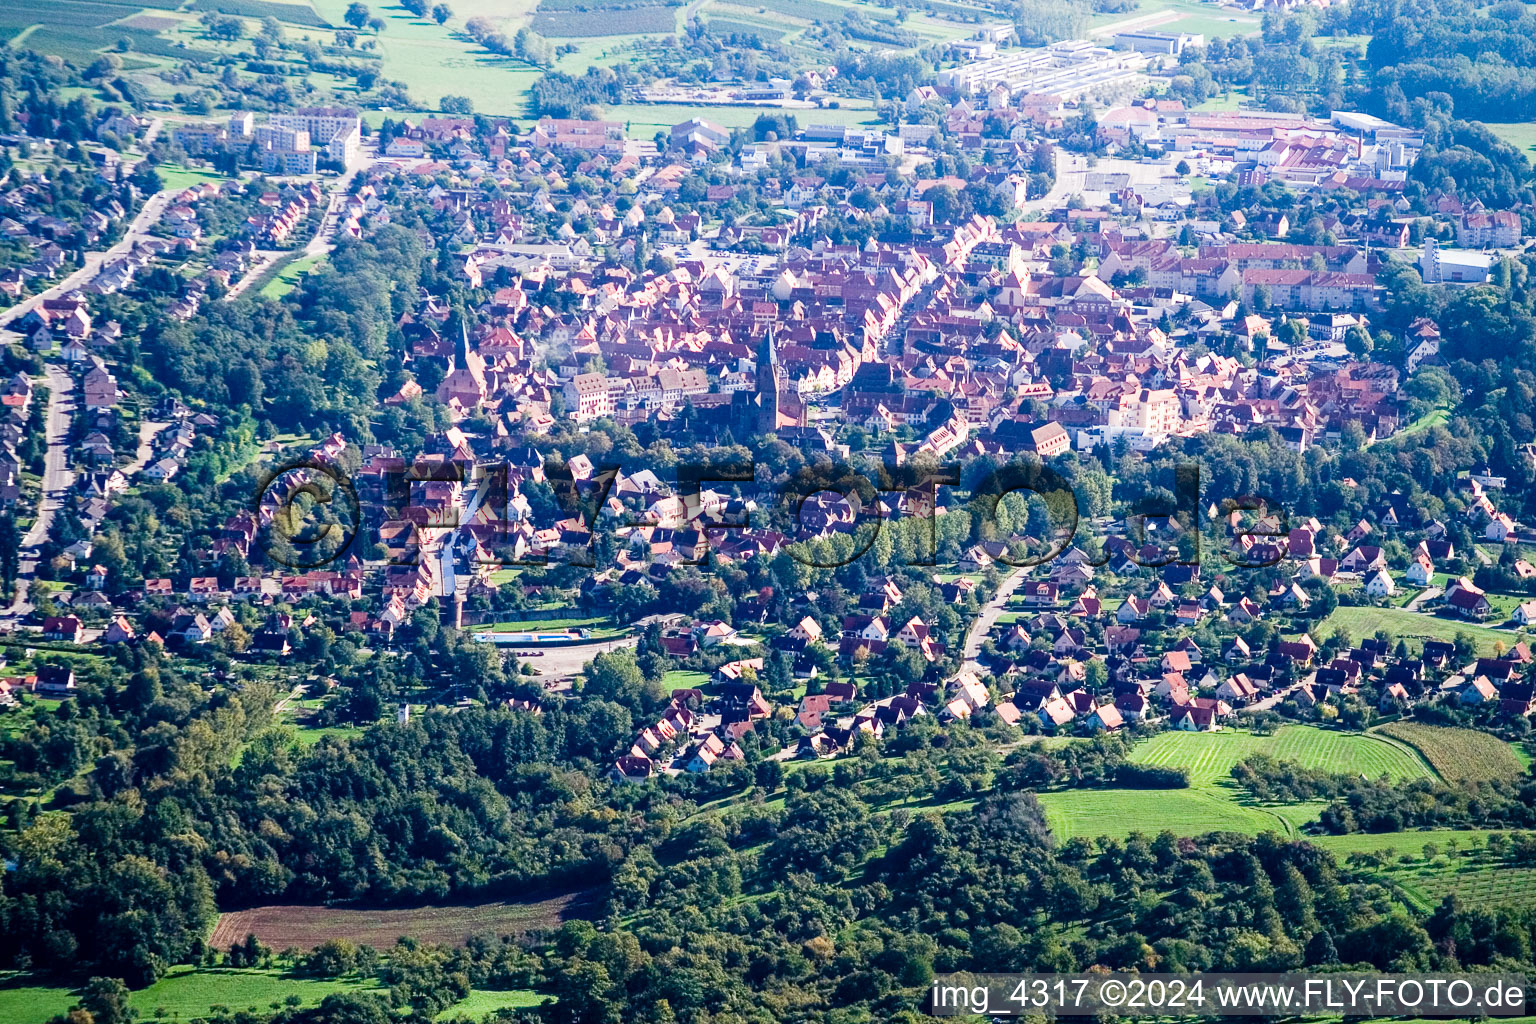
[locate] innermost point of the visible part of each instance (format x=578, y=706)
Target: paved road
x=1427, y=594
x=1267, y=702
x=148, y=216
x=57, y=479
x=988, y=618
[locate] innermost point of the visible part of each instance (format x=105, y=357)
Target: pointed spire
x=767, y=353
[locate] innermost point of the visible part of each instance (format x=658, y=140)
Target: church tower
x=767, y=397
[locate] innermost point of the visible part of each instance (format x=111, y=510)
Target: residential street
x=148, y=215
x=988, y=618
x=57, y=479
x=324, y=239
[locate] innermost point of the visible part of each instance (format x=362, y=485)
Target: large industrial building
x=1068, y=69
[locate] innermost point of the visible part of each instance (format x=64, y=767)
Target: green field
x=286, y=279
x=184, y=993
x=176, y=176
x=1116, y=813
x=1398, y=843
x=1469, y=871
x=1415, y=627
x=1206, y=19
x=481, y=1002
x=643, y=120
x=684, y=679
x=1213, y=801
x=1209, y=757
x=1520, y=134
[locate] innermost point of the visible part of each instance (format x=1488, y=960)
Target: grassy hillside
x=1414, y=627
x=1213, y=801
x=183, y=994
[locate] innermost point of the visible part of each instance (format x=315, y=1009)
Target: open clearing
x=306, y=927
x=1459, y=754
x=484, y=1001
x=1213, y=802
x=176, y=176
x=1520, y=134
x=288, y=278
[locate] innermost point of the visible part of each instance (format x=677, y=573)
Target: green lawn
x=184, y=993
x=286, y=279
x=684, y=679
x=1415, y=627
x=1213, y=801
x=308, y=737
x=177, y=176
x=1433, y=418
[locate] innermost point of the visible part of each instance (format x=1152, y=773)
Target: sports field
x=1213, y=801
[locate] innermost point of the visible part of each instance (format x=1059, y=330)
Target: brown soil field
x=304, y=927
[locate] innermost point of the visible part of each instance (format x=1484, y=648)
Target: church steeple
x=767, y=398
x=767, y=358
x=461, y=342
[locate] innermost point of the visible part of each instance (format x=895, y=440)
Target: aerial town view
x=766, y=511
